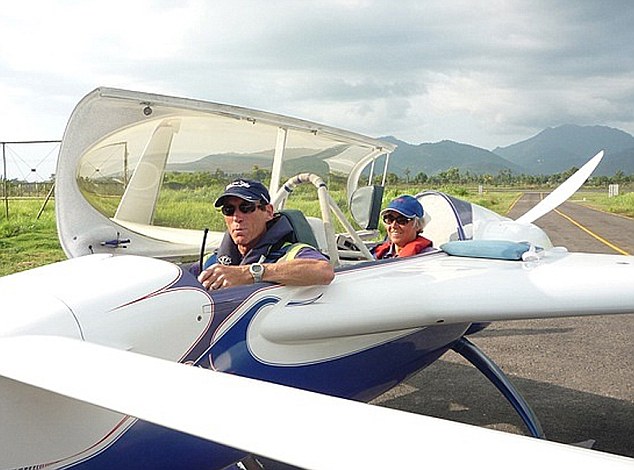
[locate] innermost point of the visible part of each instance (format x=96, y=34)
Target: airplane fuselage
x=159, y=309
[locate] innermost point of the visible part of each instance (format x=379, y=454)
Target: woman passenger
x=403, y=219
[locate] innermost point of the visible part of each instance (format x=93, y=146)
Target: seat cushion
x=494, y=249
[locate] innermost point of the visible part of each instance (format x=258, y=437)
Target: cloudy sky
x=486, y=73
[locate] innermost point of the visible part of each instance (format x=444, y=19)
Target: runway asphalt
x=576, y=373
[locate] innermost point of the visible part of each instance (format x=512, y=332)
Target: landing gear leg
x=490, y=369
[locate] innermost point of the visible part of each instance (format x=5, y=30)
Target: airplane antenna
x=202, y=248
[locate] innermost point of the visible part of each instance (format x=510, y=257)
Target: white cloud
x=485, y=73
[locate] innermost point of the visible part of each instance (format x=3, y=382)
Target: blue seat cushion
x=494, y=249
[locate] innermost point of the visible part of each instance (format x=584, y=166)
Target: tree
x=449, y=176
x=505, y=176
x=258, y=173
x=619, y=177
x=392, y=178
x=421, y=178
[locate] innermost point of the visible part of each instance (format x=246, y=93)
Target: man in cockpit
x=259, y=244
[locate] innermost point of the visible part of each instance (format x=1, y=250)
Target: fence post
x=4, y=181
x=48, y=196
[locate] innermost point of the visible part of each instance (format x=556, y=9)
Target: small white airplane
x=118, y=358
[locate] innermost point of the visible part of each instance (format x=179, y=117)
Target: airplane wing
x=310, y=430
x=438, y=289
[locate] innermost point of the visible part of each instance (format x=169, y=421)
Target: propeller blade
x=563, y=192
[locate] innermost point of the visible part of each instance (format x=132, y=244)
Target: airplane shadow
x=460, y=393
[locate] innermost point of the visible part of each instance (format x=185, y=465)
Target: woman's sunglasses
x=399, y=219
x=245, y=208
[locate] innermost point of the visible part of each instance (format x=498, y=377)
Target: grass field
x=622, y=204
x=27, y=242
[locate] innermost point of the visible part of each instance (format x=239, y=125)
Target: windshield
x=153, y=165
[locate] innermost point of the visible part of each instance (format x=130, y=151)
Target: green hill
x=434, y=158
x=557, y=149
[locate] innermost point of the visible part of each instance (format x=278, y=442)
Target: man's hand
x=296, y=272
x=218, y=276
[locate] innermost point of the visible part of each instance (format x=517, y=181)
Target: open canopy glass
x=141, y=171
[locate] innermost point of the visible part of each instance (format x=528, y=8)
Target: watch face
x=256, y=270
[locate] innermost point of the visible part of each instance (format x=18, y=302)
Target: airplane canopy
x=139, y=171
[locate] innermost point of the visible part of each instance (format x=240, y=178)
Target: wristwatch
x=257, y=271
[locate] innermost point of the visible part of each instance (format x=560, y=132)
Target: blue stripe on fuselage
x=361, y=375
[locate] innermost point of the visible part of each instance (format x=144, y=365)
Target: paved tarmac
x=576, y=373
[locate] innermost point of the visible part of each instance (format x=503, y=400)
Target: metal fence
x=28, y=169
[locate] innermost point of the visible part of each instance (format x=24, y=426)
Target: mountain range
x=553, y=150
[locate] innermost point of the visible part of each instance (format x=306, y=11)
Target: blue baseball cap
x=405, y=205
x=249, y=190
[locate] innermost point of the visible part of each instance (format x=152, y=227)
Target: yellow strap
x=293, y=250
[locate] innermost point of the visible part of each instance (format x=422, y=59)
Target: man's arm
x=299, y=272
x=295, y=272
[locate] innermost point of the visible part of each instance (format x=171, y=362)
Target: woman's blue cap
x=405, y=205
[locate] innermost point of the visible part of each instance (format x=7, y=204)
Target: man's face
x=246, y=229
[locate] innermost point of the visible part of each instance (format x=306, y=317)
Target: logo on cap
x=252, y=191
x=238, y=184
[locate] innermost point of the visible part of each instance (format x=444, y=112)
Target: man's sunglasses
x=245, y=208
x=399, y=219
